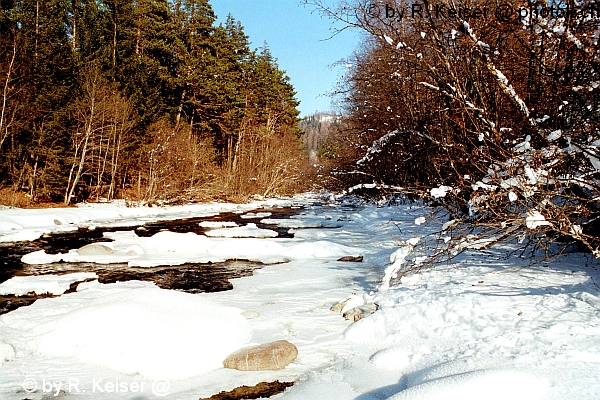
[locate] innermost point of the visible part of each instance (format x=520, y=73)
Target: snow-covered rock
x=247, y=231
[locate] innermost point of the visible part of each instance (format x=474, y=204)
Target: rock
x=264, y=357
x=134, y=250
x=95, y=249
x=351, y=259
x=260, y=391
x=360, y=312
x=340, y=306
x=352, y=301
x=250, y=314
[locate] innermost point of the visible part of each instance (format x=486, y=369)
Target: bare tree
x=267, y=160
x=104, y=121
x=502, y=113
x=178, y=163
x=8, y=109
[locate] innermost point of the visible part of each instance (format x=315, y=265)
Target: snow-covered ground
x=26, y=225
x=482, y=327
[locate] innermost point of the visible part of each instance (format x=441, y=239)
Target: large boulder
x=268, y=356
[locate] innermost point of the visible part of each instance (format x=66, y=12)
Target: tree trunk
x=3, y=123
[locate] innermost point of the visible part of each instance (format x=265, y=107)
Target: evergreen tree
x=46, y=79
x=270, y=90
x=156, y=60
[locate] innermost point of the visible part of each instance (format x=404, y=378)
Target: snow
x=485, y=325
x=430, y=86
x=256, y=215
x=490, y=384
x=172, y=248
x=524, y=146
x=441, y=191
x=27, y=225
x=377, y=147
x=467, y=332
x=217, y=224
x=398, y=260
x=535, y=219
x=247, y=231
x=296, y=223
x=353, y=301
x=130, y=327
x=41, y=284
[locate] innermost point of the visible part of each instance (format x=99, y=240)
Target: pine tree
x=46, y=79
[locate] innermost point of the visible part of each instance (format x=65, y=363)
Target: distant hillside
x=316, y=129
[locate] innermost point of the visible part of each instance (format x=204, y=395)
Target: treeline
x=146, y=99
x=497, y=120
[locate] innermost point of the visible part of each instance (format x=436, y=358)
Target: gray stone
x=95, y=249
x=264, y=357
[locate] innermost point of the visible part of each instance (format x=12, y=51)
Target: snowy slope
x=483, y=327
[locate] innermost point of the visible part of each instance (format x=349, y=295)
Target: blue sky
x=296, y=37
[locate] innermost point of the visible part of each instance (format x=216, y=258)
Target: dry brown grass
x=18, y=199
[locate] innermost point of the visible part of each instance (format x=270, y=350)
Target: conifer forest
x=144, y=99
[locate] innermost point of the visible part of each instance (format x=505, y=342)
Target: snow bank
x=131, y=327
x=217, y=224
x=256, y=215
x=7, y=353
x=26, y=225
x=482, y=326
x=481, y=332
x=247, y=231
x=171, y=248
x=477, y=385
x=41, y=284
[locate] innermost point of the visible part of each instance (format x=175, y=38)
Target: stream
x=190, y=277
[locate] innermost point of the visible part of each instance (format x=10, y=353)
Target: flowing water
x=191, y=278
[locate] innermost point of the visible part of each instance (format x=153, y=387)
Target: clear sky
x=296, y=37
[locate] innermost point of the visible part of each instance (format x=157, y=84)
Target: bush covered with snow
x=467, y=114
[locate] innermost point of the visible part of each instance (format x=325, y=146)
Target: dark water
x=191, y=278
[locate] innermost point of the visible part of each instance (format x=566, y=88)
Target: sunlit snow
x=487, y=325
